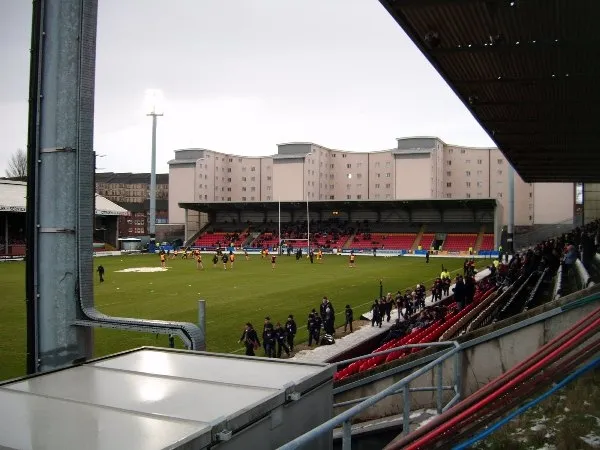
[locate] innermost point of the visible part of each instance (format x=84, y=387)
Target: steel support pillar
x=511, y=210
x=60, y=191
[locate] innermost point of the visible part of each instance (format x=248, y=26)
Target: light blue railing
x=344, y=419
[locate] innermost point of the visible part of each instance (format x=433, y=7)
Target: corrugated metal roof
x=13, y=198
x=526, y=69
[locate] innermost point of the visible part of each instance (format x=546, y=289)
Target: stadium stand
x=488, y=242
x=427, y=241
x=391, y=241
x=459, y=242
x=524, y=282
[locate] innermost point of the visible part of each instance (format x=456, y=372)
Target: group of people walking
x=275, y=338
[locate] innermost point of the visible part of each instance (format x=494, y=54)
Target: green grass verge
x=249, y=292
x=559, y=422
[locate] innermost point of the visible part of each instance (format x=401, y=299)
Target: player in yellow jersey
x=352, y=258
x=163, y=260
x=199, y=264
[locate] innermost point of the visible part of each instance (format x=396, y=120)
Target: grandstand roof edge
x=487, y=203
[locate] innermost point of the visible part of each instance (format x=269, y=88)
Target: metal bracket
x=57, y=150
x=224, y=435
x=293, y=396
x=57, y=230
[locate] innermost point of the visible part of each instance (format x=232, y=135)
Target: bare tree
x=17, y=165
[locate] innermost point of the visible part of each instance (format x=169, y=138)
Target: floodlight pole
x=152, y=224
x=511, y=210
x=279, y=250
x=307, y=225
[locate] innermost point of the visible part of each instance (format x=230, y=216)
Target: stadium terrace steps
x=415, y=244
x=427, y=240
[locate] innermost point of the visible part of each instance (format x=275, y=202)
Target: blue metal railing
x=403, y=386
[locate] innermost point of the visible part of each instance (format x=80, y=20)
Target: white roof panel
x=149, y=398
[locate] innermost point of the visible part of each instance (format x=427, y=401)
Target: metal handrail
x=345, y=417
x=392, y=350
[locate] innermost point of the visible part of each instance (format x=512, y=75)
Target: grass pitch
x=249, y=292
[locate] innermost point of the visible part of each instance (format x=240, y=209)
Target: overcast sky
x=241, y=76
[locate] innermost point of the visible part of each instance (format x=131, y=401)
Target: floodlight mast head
x=154, y=102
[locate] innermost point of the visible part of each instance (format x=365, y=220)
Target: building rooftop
x=13, y=198
x=130, y=178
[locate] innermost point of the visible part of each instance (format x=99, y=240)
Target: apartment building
x=132, y=192
x=418, y=168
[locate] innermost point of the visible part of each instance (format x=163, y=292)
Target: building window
x=468, y=173
x=388, y=175
x=229, y=169
x=468, y=184
x=449, y=162
x=449, y=184
x=451, y=150
x=462, y=151
x=269, y=178
x=244, y=189
x=359, y=175
x=500, y=161
x=376, y=185
x=388, y=185
x=268, y=197
x=343, y=155
x=348, y=186
x=448, y=195
x=228, y=199
x=499, y=194
x=252, y=189
x=243, y=199
x=479, y=161
x=252, y=199
x=253, y=179
x=468, y=195
x=229, y=180
x=331, y=166
x=479, y=184
x=348, y=166
x=449, y=173
x=499, y=172
x=468, y=161
x=377, y=164
x=358, y=197
x=243, y=178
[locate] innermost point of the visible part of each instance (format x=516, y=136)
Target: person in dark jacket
x=459, y=292
x=470, y=288
x=101, y=273
x=314, y=329
x=291, y=329
x=377, y=318
x=250, y=339
x=269, y=339
x=349, y=318
x=266, y=326
x=280, y=338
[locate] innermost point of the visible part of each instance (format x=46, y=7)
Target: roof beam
x=557, y=78
x=513, y=47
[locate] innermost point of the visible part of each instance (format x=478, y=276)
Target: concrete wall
x=181, y=189
x=480, y=363
x=288, y=180
x=553, y=202
x=413, y=180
